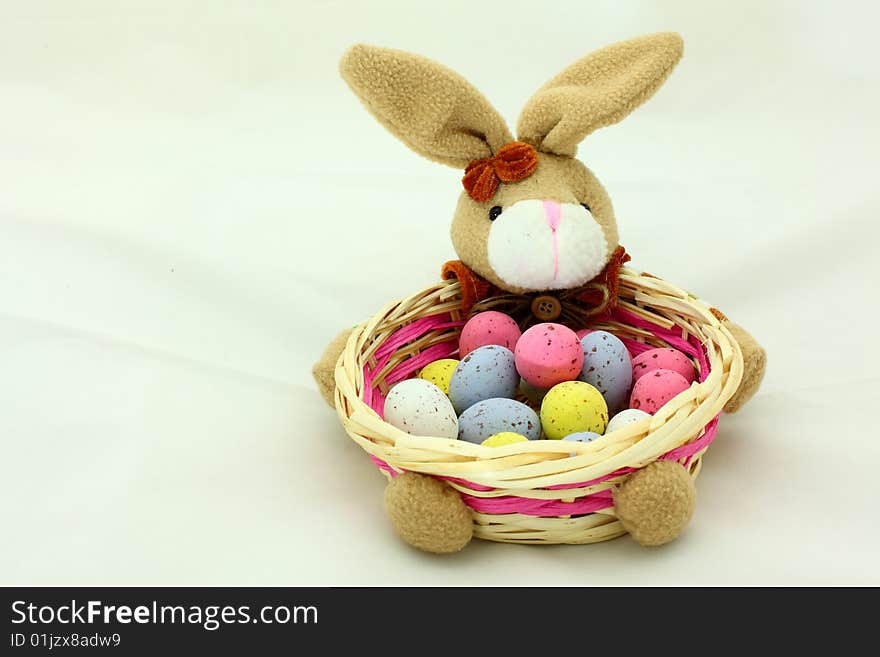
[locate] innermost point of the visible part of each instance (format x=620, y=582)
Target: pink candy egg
x=655, y=388
x=665, y=358
x=490, y=327
x=548, y=354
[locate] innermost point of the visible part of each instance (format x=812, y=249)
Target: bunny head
x=531, y=216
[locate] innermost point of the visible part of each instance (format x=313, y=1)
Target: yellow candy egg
x=439, y=373
x=573, y=406
x=504, y=438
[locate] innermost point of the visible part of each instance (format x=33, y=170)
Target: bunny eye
x=494, y=212
x=586, y=207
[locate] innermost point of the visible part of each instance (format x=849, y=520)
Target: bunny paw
x=428, y=514
x=656, y=503
x=324, y=369
x=754, y=364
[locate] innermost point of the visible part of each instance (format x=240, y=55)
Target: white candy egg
x=629, y=416
x=421, y=408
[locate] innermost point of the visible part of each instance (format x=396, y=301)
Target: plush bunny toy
x=532, y=221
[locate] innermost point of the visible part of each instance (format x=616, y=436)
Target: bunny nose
x=553, y=214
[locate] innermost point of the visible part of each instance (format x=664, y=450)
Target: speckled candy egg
x=664, y=358
x=607, y=367
x=573, y=407
x=485, y=373
x=655, y=388
x=625, y=417
x=548, y=354
x=504, y=438
x=420, y=408
x=582, y=436
x=490, y=327
x=486, y=418
x=439, y=373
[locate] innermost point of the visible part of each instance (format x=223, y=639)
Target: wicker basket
x=543, y=491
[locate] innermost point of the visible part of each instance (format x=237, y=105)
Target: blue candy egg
x=491, y=416
x=608, y=368
x=582, y=436
x=487, y=372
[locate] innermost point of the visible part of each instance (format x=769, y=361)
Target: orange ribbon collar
x=595, y=298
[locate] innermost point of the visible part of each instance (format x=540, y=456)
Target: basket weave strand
x=543, y=491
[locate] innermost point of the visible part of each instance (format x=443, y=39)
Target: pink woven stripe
x=634, y=347
x=687, y=451
x=414, y=331
x=383, y=466
x=593, y=482
x=414, y=364
x=469, y=484
x=372, y=396
x=539, y=508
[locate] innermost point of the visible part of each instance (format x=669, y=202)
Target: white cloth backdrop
x=192, y=204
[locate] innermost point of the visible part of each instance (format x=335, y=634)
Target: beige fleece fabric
x=754, y=365
x=324, y=370
x=429, y=107
x=428, y=514
x=597, y=90
x=656, y=503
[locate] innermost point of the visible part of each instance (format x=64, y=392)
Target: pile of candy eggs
x=584, y=384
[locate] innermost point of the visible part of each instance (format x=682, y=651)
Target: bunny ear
x=430, y=108
x=597, y=90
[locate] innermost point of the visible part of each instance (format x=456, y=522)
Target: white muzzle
x=545, y=245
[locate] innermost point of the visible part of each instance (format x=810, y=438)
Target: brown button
x=546, y=308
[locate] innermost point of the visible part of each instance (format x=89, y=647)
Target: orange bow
x=512, y=162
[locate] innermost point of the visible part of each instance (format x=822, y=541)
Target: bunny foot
x=754, y=364
x=428, y=514
x=656, y=503
x=324, y=369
